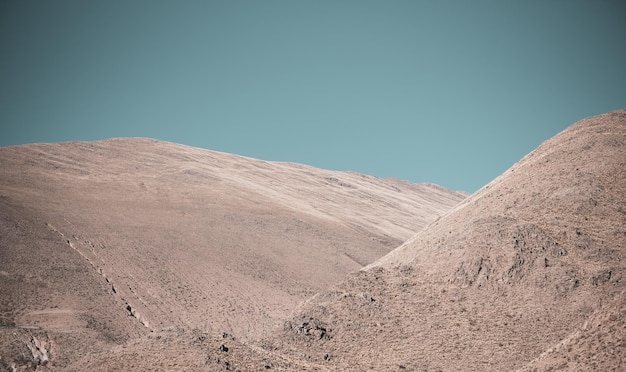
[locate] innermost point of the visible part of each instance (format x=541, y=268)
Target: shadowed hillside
x=121, y=245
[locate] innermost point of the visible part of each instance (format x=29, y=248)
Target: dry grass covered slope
x=120, y=245
x=532, y=267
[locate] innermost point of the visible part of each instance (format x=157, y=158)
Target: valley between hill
x=143, y=255
x=106, y=243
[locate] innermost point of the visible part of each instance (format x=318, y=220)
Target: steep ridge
x=135, y=238
x=509, y=273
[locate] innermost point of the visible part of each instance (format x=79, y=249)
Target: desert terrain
x=527, y=273
x=106, y=242
x=134, y=254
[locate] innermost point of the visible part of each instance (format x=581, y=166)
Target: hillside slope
x=108, y=243
x=505, y=276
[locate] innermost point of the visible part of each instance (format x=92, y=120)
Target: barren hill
x=532, y=267
x=529, y=273
x=114, y=250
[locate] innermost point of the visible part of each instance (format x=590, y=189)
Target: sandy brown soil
x=527, y=273
x=138, y=254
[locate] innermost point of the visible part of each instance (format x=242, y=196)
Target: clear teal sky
x=449, y=92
